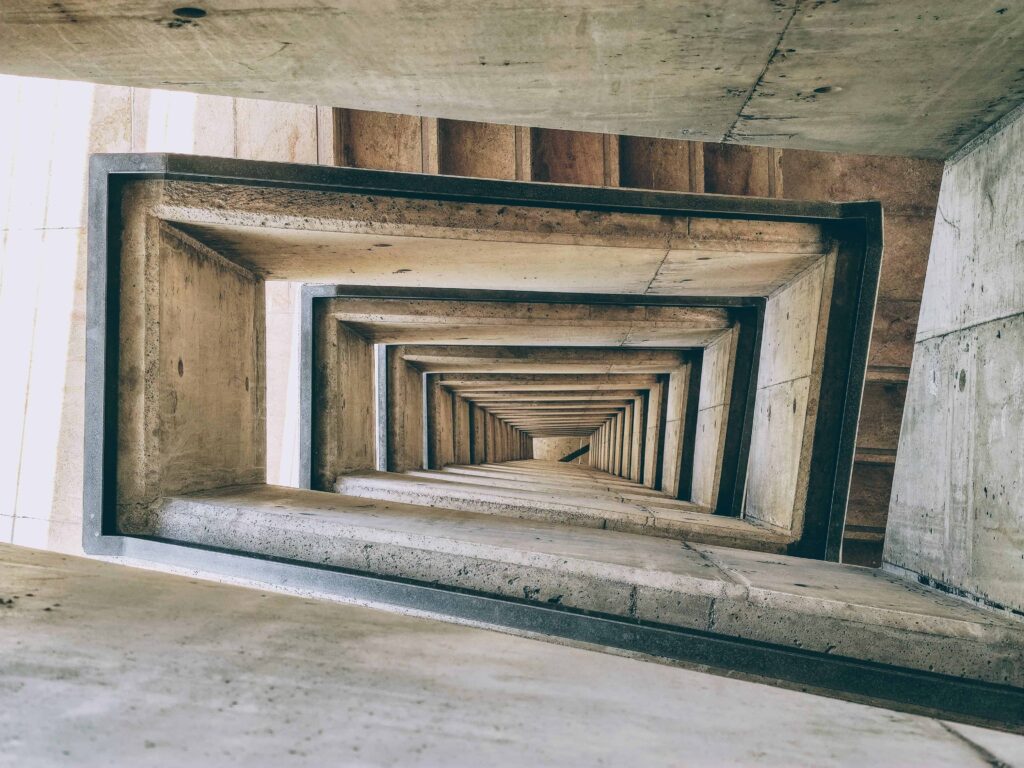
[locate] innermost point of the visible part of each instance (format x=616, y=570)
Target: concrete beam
x=852, y=77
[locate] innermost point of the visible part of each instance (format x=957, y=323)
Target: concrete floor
x=105, y=665
x=849, y=611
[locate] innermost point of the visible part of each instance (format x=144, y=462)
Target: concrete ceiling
x=399, y=321
x=915, y=77
x=745, y=261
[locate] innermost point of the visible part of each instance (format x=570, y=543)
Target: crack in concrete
x=945, y=218
x=732, y=578
x=657, y=271
x=728, y=136
x=989, y=758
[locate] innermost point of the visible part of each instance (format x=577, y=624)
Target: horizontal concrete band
x=528, y=497
x=845, y=611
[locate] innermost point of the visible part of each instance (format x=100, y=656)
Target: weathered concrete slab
x=253, y=677
x=516, y=475
x=717, y=364
x=491, y=248
x=410, y=321
x=964, y=421
x=961, y=523
x=191, y=403
x=853, y=77
x=788, y=381
x=826, y=607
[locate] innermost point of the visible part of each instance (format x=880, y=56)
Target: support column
x=342, y=426
x=637, y=449
x=652, y=437
x=673, y=442
x=478, y=435
x=627, y=441
x=461, y=430
x=405, y=413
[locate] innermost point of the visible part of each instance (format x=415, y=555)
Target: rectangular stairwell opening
x=710, y=352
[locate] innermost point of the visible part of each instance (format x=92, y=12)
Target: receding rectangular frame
x=860, y=222
x=856, y=225
x=748, y=313
x=965, y=700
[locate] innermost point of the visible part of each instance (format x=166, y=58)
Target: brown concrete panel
x=892, y=334
x=379, y=140
x=732, y=169
x=649, y=163
x=905, y=186
x=467, y=148
x=880, y=415
x=568, y=157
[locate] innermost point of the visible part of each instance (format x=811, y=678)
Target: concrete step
x=551, y=470
x=548, y=469
x=842, y=610
x=524, y=482
x=561, y=506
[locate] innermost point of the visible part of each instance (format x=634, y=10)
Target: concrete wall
x=405, y=414
x=191, y=401
x=554, y=448
x=785, y=405
x=344, y=431
x=957, y=512
x=675, y=416
x=712, y=410
x=48, y=131
x=652, y=437
x=907, y=188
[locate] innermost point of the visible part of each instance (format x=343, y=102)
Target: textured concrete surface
x=853, y=77
x=53, y=124
x=908, y=189
x=786, y=403
x=717, y=364
x=106, y=665
x=555, y=448
x=846, y=610
x=964, y=418
x=408, y=321
x=568, y=494
x=303, y=235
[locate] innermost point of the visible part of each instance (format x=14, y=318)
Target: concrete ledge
x=823, y=607
x=662, y=517
x=106, y=664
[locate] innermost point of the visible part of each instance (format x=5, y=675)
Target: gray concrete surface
x=957, y=513
x=819, y=606
x=575, y=496
x=717, y=364
x=104, y=665
x=919, y=77
x=786, y=404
